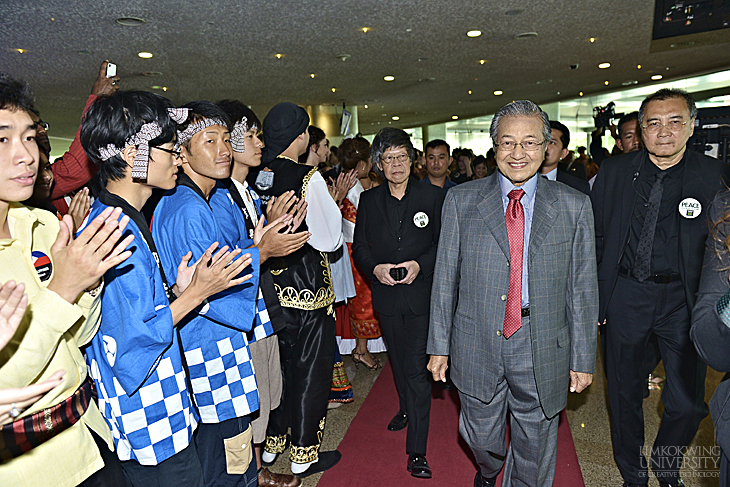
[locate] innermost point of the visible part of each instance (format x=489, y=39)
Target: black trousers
x=210, y=444
x=406, y=335
x=307, y=350
x=636, y=312
x=183, y=468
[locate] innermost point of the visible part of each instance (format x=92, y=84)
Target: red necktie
x=515, y=219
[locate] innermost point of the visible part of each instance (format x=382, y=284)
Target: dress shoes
x=271, y=479
x=480, y=481
x=325, y=461
x=418, y=466
x=671, y=483
x=399, y=421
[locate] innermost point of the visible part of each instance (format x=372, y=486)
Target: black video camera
x=603, y=116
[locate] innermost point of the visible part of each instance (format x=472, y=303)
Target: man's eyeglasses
x=42, y=124
x=398, y=157
x=527, y=146
x=655, y=126
x=175, y=152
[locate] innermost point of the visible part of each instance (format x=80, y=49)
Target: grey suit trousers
x=530, y=460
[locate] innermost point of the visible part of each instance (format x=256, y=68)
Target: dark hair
x=352, y=151
x=519, y=108
x=199, y=111
x=626, y=118
x=564, y=132
x=114, y=118
x=391, y=138
x=15, y=95
x=465, y=153
x=236, y=111
x=666, y=94
x=437, y=143
x=316, y=136
x=479, y=160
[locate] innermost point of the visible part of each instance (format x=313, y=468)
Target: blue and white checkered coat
x=134, y=360
x=216, y=349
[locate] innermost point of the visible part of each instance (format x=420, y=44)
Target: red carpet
x=374, y=456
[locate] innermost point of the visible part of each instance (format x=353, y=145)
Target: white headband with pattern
x=192, y=129
x=238, y=134
x=141, y=140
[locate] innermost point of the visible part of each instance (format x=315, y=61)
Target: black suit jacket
x=574, y=182
x=709, y=333
x=614, y=197
x=375, y=243
x=577, y=169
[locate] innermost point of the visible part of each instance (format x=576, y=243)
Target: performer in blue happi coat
x=135, y=357
x=214, y=340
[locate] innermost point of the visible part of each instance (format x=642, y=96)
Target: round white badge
x=690, y=208
x=420, y=219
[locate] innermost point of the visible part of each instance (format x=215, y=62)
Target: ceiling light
x=605, y=82
x=497, y=92
x=470, y=92
x=334, y=89
x=482, y=61
x=312, y=75
x=580, y=93
x=395, y=117
x=454, y=117
x=514, y=12
x=366, y=107
x=657, y=77
x=592, y=39
x=145, y=55
x=278, y=56
x=604, y=65
x=21, y=51
x=130, y=21
x=365, y=29
x=474, y=33
x=343, y=57
x=638, y=66
x=156, y=87
x=164, y=88
x=525, y=35
x=152, y=74
x=389, y=78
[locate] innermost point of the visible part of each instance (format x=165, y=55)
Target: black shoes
x=480, y=481
x=418, y=466
x=399, y=421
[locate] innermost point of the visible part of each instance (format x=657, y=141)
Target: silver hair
x=520, y=108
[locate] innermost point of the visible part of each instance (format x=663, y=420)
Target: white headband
x=187, y=134
x=141, y=140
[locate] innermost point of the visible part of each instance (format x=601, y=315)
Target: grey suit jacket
x=471, y=280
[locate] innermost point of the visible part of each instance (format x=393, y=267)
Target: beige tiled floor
x=589, y=422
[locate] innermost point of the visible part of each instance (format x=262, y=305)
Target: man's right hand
x=437, y=365
x=217, y=272
x=103, y=85
x=81, y=262
x=382, y=274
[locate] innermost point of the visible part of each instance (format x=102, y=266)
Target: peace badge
x=690, y=208
x=420, y=219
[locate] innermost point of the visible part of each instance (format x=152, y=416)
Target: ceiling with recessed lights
x=328, y=52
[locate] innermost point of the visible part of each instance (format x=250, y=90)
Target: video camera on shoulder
x=603, y=116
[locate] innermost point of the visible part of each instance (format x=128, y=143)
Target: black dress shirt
x=665, y=251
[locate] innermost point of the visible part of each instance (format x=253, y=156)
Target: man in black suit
x=555, y=151
x=651, y=225
x=396, y=237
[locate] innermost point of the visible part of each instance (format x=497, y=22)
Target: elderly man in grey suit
x=519, y=326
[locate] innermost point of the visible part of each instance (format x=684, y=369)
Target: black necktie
x=642, y=262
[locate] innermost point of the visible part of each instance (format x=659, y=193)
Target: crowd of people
x=176, y=289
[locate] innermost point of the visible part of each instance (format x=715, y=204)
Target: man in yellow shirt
x=54, y=441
